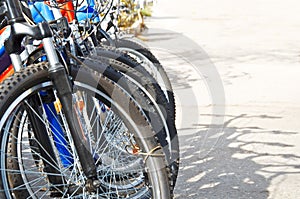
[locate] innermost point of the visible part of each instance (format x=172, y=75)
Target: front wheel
x=130, y=162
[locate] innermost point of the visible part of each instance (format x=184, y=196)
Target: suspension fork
x=64, y=91
x=59, y=77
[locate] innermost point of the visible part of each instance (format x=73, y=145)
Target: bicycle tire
x=19, y=86
x=158, y=70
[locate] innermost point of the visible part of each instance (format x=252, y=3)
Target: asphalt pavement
x=235, y=68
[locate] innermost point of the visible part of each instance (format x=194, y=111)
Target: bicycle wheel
x=110, y=57
x=129, y=160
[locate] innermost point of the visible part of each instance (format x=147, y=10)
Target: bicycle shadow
x=230, y=169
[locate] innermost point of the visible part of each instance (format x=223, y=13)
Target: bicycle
x=26, y=98
x=110, y=56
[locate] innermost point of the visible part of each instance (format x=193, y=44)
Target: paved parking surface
x=235, y=70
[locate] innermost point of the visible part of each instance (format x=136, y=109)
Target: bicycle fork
x=59, y=77
x=64, y=91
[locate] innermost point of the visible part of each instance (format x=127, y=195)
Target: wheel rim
x=139, y=175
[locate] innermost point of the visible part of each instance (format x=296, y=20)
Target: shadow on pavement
x=244, y=159
x=229, y=170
